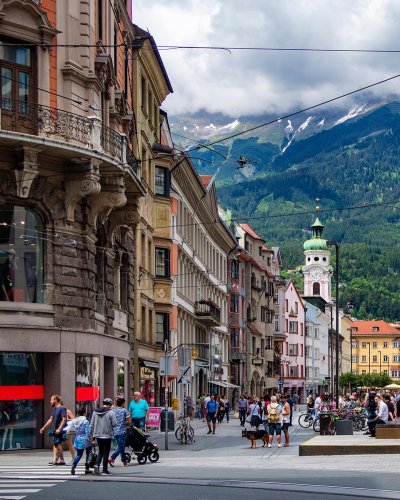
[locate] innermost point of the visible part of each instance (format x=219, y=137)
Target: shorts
x=139, y=422
x=58, y=438
x=285, y=426
x=211, y=417
x=274, y=428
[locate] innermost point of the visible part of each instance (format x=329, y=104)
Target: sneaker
x=269, y=445
x=106, y=473
x=209, y=432
x=367, y=433
x=73, y=470
x=213, y=432
x=87, y=471
x=124, y=464
x=279, y=445
x=111, y=462
x=96, y=471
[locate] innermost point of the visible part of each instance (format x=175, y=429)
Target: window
x=162, y=327
x=277, y=325
x=99, y=21
x=234, y=269
x=268, y=343
x=162, y=263
x=374, y=359
x=385, y=344
x=364, y=372
x=253, y=345
x=121, y=378
x=395, y=359
x=316, y=289
x=234, y=337
x=374, y=345
x=364, y=345
x=144, y=93
x=395, y=373
x=355, y=345
x=162, y=181
x=385, y=359
x=293, y=327
x=364, y=359
x=234, y=303
x=375, y=329
x=87, y=382
x=293, y=350
x=21, y=255
x=395, y=344
x=354, y=359
x=293, y=371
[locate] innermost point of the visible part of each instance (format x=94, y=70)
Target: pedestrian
x=310, y=403
x=296, y=401
x=199, y=404
x=254, y=413
x=286, y=414
x=274, y=411
x=80, y=425
x=290, y=401
x=58, y=418
x=227, y=409
x=70, y=432
x=221, y=408
x=120, y=433
x=138, y=410
x=242, y=410
x=203, y=406
x=212, y=411
x=264, y=412
x=101, y=427
x=317, y=404
x=381, y=417
x=189, y=405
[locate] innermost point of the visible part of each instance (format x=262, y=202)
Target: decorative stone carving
x=26, y=171
x=84, y=180
x=125, y=216
x=112, y=195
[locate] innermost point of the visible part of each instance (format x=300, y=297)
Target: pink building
x=292, y=375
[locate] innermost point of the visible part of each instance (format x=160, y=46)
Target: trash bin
x=171, y=421
x=344, y=427
x=325, y=421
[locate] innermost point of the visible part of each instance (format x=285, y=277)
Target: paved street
x=224, y=461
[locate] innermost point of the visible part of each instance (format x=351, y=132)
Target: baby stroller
x=141, y=446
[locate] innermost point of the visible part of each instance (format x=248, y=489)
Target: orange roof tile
x=205, y=180
x=252, y=233
x=367, y=328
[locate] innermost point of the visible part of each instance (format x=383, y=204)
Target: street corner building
x=69, y=197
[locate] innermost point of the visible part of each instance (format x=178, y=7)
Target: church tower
x=317, y=270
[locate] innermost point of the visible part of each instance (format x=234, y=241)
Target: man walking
x=211, y=417
x=138, y=410
x=242, y=410
x=101, y=427
x=58, y=418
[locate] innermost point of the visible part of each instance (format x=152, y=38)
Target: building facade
x=68, y=207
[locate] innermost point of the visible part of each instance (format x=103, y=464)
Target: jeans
x=121, y=438
x=79, y=454
x=242, y=416
x=104, y=452
x=372, y=424
x=140, y=423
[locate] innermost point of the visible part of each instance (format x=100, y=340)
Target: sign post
x=166, y=393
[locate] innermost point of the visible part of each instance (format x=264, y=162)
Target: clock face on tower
x=315, y=273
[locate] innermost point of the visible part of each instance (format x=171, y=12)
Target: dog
x=253, y=436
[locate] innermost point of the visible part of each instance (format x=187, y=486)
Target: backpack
x=273, y=415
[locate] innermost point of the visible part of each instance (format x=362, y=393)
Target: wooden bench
x=388, y=431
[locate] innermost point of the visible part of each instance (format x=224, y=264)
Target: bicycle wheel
x=364, y=425
x=305, y=420
x=189, y=435
x=317, y=425
x=179, y=434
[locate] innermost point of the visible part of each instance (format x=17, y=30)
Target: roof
x=205, y=180
x=367, y=328
x=250, y=231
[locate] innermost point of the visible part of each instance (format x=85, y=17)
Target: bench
x=391, y=430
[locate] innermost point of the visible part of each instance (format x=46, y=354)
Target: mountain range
x=270, y=177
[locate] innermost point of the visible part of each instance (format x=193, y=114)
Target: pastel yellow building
x=375, y=348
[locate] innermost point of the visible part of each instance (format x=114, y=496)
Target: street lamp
x=333, y=243
x=380, y=361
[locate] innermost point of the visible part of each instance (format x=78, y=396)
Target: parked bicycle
x=306, y=420
x=184, y=432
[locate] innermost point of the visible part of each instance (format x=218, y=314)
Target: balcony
x=279, y=336
x=208, y=313
x=70, y=133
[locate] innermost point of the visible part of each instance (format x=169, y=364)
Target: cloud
x=255, y=82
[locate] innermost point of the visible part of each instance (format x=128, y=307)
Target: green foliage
x=352, y=381
x=353, y=164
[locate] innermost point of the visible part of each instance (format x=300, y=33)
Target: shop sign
x=147, y=373
x=154, y=417
x=175, y=404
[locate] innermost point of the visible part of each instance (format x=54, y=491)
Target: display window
x=21, y=400
x=87, y=382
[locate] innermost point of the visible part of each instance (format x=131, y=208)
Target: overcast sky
x=251, y=82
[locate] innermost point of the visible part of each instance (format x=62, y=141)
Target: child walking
x=82, y=440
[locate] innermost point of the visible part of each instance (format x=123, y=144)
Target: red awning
x=254, y=329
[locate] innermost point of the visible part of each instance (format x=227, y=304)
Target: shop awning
x=237, y=356
x=254, y=329
x=224, y=384
x=149, y=364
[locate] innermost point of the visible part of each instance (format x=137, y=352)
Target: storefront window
x=87, y=382
x=148, y=384
x=21, y=400
x=21, y=255
x=121, y=378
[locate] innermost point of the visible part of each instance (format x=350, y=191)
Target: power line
x=276, y=120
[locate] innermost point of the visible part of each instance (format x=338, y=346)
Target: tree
x=348, y=379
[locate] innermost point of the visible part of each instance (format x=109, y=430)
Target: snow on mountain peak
x=231, y=126
x=210, y=127
x=351, y=114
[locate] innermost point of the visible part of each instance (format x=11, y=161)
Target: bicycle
x=306, y=420
x=184, y=432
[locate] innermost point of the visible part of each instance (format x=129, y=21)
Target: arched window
x=21, y=255
x=316, y=289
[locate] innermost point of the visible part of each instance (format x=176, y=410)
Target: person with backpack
x=82, y=442
x=274, y=411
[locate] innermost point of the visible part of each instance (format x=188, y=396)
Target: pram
x=141, y=446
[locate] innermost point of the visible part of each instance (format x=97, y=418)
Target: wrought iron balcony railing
x=208, y=313
x=112, y=142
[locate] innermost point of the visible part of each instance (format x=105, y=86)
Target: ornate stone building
x=70, y=189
